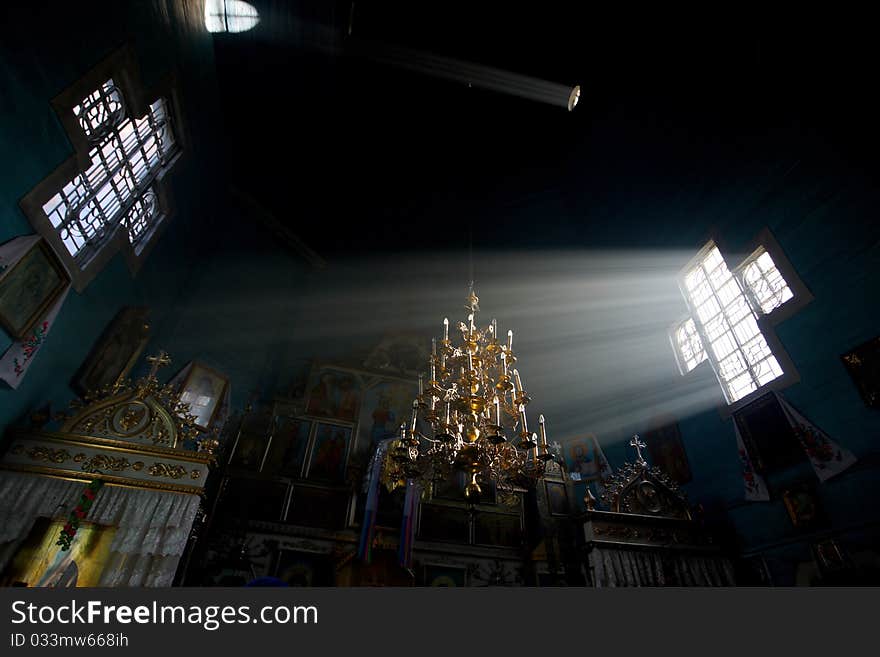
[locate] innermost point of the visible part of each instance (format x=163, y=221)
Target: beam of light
x=230, y=16
x=333, y=41
x=591, y=327
x=470, y=74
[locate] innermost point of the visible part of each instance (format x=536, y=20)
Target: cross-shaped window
x=116, y=190
x=111, y=194
x=723, y=326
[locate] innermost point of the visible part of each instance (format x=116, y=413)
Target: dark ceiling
x=357, y=156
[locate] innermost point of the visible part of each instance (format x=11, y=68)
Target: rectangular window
x=116, y=190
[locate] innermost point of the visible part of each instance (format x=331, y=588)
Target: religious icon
x=334, y=394
x=666, y=451
x=444, y=575
x=450, y=488
x=329, y=452
x=117, y=350
x=585, y=459
x=29, y=288
x=249, y=451
x=253, y=439
x=557, y=498
x=444, y=523
x=803, y=507
x=387, y=403
x=830, y=557
x=203, y=389
x=498, y=529
x=403, y=353
x=290, y=437
x=39, y=562
x=863, y=365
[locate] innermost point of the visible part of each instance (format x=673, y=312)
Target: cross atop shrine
x=473, y=301
x=638, y=444
x=156, y=362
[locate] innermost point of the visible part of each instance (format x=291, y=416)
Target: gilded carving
x=115, y=434
x=146, y=411
x=131, y=418
x=101, y=462
x=39, y=453
x=159, y=469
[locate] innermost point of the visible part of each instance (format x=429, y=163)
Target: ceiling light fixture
x=473, y=397
x=574, y=96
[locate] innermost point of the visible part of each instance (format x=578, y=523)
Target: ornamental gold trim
x=97, y=464
x=159, y=469
x=41, y=453
x=101, y=462
x=112, y=480
x=82, y=440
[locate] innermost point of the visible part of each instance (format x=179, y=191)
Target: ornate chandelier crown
x=474, y=410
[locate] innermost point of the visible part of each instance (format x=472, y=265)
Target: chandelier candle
x=472, y=379
x=542, y=451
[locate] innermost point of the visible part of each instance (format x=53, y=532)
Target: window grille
x=117, y=188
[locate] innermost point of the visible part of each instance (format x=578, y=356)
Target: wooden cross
x=638, y=444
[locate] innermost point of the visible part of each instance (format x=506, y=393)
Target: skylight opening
x=230, y=16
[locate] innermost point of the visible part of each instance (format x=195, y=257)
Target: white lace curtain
x=152, y=526
x=622, y=567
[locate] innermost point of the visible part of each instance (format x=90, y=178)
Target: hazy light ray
x=329, y=40
x=455, y=70
x=590, y=327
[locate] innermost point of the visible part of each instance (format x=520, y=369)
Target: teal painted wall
x=823, y=215
x=822, y=209
x=42, y=51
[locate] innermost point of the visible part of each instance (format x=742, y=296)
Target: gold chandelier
x=474, y=408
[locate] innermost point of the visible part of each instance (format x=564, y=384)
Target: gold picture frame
x=29, y=288
x=200, y=380
x=116, y=352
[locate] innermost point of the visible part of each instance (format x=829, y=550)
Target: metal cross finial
x=156, y=362
x=473, y=301
x=638, y=444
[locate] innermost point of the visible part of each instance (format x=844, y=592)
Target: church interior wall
x=167, y=38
